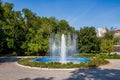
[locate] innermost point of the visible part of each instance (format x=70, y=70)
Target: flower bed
x=95, y=62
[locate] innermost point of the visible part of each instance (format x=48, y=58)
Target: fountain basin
x=69, y=59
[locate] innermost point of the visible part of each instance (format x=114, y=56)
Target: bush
x=14, y=54
x=27, y=53
x=86, y=55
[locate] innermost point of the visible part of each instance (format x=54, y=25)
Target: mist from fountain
x=63, y=47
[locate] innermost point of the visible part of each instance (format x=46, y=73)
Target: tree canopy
x=107, y=46
x=25, y=33
x=87, y=40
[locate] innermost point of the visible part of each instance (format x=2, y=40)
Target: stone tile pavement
x=9, y=70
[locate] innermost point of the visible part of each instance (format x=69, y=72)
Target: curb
x=44, y=68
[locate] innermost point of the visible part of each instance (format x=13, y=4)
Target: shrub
x=14, y=54
x=27, y=53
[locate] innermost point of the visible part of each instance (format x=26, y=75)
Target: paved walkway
x=9, y=70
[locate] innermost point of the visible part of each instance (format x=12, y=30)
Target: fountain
x=62, y=50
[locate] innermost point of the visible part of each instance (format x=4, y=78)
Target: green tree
x=12, y=28
x=25, y=33
x=87, y=40
x=2, y=40
x=2, y=35
x=107, y=46
x=64, y=27
x=37, y=32
x=109, y=34
x=8, y=26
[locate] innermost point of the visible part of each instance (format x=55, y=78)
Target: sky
x=78, y=13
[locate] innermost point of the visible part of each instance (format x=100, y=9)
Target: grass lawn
x=99, y=55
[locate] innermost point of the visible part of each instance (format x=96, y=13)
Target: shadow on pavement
x=8, y=59
x=51, y=78
x=95, y=74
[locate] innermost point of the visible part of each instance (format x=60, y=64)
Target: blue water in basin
x=70, y=59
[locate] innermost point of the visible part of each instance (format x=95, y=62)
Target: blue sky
x=78, y=13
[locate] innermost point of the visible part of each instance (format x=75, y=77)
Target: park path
x=9, y=70
x=114, y=64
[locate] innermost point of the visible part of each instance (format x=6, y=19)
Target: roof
x=117, y=31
